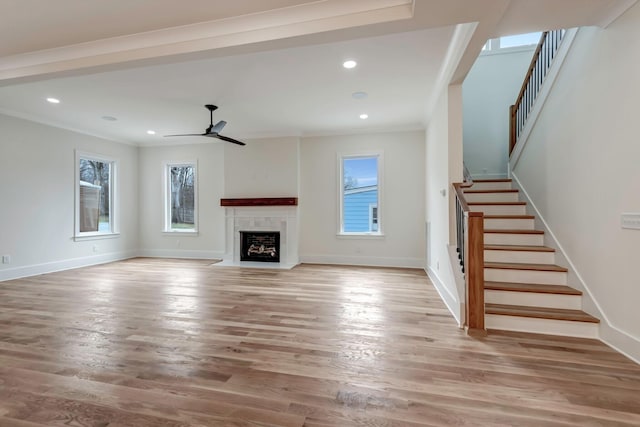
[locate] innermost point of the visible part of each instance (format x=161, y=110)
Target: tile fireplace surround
x=261, y=215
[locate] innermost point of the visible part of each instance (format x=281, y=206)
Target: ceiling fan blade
x=226, y=138
x=218, y=127
x=189, y=134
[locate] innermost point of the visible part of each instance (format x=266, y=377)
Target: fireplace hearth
x=260, y=246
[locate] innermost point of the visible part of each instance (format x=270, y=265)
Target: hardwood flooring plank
x=167, y=342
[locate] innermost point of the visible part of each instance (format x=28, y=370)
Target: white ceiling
x=272, y=66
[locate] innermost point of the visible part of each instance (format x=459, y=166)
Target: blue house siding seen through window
x=358, y=203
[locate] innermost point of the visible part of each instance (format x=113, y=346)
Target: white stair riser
x=491, y=186
x=519, y=257
x=542, y=326
x=500, y=209
x=525, y=276
x=513, y=239
x=533, y=299
x=491, y=197
x=509, y=224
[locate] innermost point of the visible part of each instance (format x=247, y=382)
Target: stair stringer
x=607, y=332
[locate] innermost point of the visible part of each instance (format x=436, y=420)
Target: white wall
x=262, y=168
x=444, y=166
x=209, y=242
x=402, y=206
x=37, y=187
x=491, y=86
x=580, y=169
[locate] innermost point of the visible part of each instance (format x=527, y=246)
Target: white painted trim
x=177, y=253
x=351, y=155
x=311, y=17
x=362, y=260
x=617, y=338
x=547, y=85
x=114, y=190
x=459, y=41
x=67, y=264
x=621, y=341
x=446, y=296
x=167, y=165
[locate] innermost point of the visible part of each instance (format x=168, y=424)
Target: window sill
x=364, y=236
x=186, y=233
x=95, y=236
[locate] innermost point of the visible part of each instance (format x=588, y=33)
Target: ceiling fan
x=213, y=131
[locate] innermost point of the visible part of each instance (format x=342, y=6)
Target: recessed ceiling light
x=349, y=64
x=359, y=95
x=364, y=116
x=151, y=132
x=53, y=100
x=109, y=118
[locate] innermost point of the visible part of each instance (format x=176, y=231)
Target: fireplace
x=261, y=215
x=260, y=246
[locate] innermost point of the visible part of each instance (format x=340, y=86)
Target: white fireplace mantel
x=261, y=218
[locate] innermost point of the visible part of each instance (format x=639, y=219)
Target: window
x=95, y=189
x=373, y=218
x=360, y=194
x=181, y=213
x=515, y=41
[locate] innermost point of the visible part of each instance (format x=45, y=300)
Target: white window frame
x=167, y=198
x=362, y=234
x=113, y=198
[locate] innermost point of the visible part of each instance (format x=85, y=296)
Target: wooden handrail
x=470, y=245
x=458, y=187
x=536, y=74
x=532, y=66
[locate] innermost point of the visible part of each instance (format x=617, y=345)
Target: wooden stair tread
x=493, y=180
x=540, y=312
x=497, y=203
x=490, y=191
x=522, y=248
x=509, y=217
x=531, y=287
x=521, y=266
x=512, y=231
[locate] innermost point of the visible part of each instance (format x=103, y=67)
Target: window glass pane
x=360, y=194
x=95, y=199
x=182, y=200
x=520, y=40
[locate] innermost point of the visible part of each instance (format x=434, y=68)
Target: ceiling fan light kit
x=213, y=131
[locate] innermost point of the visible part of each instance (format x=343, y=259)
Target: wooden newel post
x=512, y=128
x=475, y=274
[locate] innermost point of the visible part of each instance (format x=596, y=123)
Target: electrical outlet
x=95, y=248
x=630, y=220
x=6, y=259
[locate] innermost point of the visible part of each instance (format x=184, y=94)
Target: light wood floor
x=150, y=342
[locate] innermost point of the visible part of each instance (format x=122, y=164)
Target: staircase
x=524, y=289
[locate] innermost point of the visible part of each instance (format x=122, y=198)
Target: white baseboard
x=176, y=253
x=620, y=341
x=363, y=261
x=450, y=300
x=67, y=264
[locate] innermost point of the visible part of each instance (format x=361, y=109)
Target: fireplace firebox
x=260, y=246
